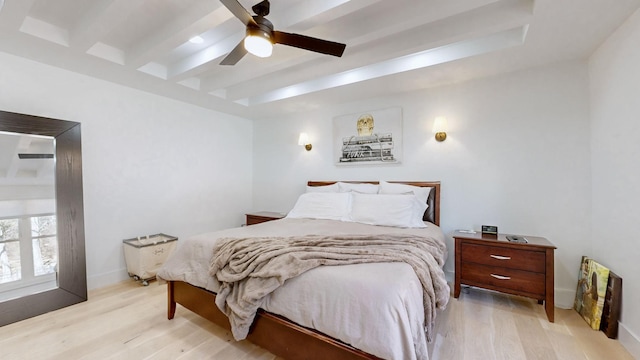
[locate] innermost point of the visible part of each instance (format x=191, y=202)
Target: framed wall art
x=368, y=138
x=590, y=294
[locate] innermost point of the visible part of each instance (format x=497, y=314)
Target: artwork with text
x=368, y=138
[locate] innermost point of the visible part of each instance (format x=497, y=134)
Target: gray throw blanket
x=251, y=268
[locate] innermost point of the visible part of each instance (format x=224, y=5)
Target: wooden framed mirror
x=71, y=267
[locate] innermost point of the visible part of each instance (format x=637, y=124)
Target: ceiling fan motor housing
x=264, y=28
x=259, y=29
x=261, y=8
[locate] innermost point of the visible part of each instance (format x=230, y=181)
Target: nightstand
x=492, y=262
x=262, y=216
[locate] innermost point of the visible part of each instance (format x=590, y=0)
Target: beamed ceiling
x=392, y=46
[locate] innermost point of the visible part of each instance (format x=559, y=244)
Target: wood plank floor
x=128, y=321
x=483, y=324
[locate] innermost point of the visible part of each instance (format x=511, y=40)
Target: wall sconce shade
x=304, y=140
x=440, y=128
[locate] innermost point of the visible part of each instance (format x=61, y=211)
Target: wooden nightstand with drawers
x=262, y=216
x=492, y=262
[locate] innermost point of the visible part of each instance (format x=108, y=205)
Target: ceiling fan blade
x=235, y=55
x=239, y=11
x=35, y=156
x=309, y=43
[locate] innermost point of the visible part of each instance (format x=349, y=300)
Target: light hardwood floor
x=128, y=321
x=483, y=324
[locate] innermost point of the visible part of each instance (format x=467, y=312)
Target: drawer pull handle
x=500, y=277
x=501, y=257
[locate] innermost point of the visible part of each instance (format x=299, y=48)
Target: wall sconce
x=304, y=140
x=440, y=128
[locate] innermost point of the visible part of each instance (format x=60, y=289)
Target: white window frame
x=28, y=283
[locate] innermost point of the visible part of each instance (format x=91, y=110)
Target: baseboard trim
x=450, y=276
x=629, y=340
x=106, y=279
x=564, y=298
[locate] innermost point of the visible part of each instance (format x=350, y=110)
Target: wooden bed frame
x=281, y=336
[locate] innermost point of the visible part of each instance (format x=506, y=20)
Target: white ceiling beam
x=46, y=169
x=196, y=20
x=103, y=16
x=223, y=80
x=447, y=53
x=14, y=164
x=190, y=66
x=14, y=12
x=484, y=20
x=309, y=14
x=329, y=14
x=45, y=31
x=304, y=11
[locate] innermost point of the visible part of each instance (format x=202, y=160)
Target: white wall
x=150, y=164
x=516, y=156
x=615, y=111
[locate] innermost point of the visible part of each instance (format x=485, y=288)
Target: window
x=45, y=244
x=28, y=250
x=9, y=251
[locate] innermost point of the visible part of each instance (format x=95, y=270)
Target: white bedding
x=374, y=307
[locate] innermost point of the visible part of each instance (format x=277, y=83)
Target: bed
x=291, y=321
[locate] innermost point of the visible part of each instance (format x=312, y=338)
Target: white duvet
x=374, y=307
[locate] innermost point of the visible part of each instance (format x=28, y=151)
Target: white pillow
x=422, y=193
x=359, y=188
x=388, y=210
x=321, y=205
x=326, y=188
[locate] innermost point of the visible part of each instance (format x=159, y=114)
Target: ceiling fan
x=261, y=37
x=34, y=156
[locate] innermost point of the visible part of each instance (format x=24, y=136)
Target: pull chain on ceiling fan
x=261, y=37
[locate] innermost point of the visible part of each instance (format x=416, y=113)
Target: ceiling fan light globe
x=258, y=45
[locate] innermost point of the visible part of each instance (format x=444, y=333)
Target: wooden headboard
x=433, y=211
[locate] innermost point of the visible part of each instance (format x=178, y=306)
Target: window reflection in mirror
x=28, y=240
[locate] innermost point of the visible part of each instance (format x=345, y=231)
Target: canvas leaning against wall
x=369, y=137
x=592, y=288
